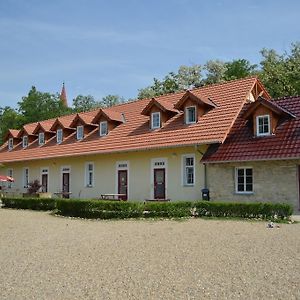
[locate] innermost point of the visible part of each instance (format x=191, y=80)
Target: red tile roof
x=13, y=133
x=109, y=114
x=241, y=145
x=161, y=104
x=134, y=134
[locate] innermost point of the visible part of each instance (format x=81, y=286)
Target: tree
x=238, y=68
x=111, y=100
x=9, y=118
x=215, y=71
x=85, y=103
x=281, y=73
x=37, y=106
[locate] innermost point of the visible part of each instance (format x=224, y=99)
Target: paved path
x=47, y=257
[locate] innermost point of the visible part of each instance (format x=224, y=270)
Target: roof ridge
x=285, y=98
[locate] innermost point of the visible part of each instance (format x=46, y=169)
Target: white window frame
x=87, y=173
x=25, y=141
x=10, y=173
x=122, y=165
x=236, y=180
x=26, y=177
x=184, y=167
x=41, y=138
x=59, y=136
x=45, y=170
x=187, y=121
x=154, y=126
x=10, y=143
x=101, y=125
x=80, y=129
x=164, y=162
x=257, y=125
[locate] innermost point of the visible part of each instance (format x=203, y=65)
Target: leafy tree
x=37, y=106
x=215, y=70
x=85, y=103
x=238, y=68
x=281, y=73
x=111, y=100
x=9, y=118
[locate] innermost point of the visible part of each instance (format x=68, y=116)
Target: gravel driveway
x=48, y=257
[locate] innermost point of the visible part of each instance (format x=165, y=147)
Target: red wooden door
x=66, y=185
x=159, y=184
x=123, y=183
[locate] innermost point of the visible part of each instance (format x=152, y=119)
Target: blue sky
x=117, y=47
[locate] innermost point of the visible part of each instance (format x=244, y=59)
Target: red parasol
x=4, y=178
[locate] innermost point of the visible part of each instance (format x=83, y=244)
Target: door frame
x=41, y=176
x=119, y=171
x=158, y=163
x=121, y=166
x=65, y=169
x=154, y=174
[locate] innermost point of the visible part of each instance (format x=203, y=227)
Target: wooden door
x=123, y=183
x=66, y=185
x=159, y=184
x=44, y=183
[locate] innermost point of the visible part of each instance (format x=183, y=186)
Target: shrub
x=29, y=203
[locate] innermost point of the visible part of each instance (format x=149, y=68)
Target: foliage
x=33, y=187
x=239, y=68
x=215, y=71
x=111, y=100
x=85, y=103
x=29, y=203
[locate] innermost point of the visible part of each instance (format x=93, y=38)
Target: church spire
x=63, y=96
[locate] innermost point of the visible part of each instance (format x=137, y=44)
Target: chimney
x=63, y=96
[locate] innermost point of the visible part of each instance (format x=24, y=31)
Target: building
x=168, y=147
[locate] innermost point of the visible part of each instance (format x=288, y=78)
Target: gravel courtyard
x=48, y=257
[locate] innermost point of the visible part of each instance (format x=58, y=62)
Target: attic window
x=41, y=138
x=10, y=143
x=59, y=136
x=25, y=141
x=190, y=115
x=263, y=125
x=79, y=132
x=103, y=128
x=155, y=120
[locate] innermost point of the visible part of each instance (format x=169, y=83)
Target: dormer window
x=25, y=141
x=155, y=120
x=10, y=143
x=59, y=136
x=41, y=138
x=79, y=132
x=263, y=125
x=190, y=115
x=103, y=128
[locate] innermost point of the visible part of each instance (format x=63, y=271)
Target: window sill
x=188, y=185
x=89, y=186
x=244, y=193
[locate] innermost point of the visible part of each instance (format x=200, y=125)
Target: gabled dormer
x=194, y=106
x=12, y=138
x=265, y=116
x=43, y=132
x=107, y=120
x=82, y=124
x=62, y=130
x=159, y=111
x=27, y=135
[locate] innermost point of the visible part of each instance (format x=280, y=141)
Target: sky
x=116, y=47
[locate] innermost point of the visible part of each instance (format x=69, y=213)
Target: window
x=155, y=120
x=263, y=125
x=10, y=143
x=10, y=173
x=25, y=141
x=79, y=132
x=244, y=180
x=103, y=128
x=190, y=115
x=41, y=138
x=89, y=174
x=59, y=136
x=25, y=177
x=188, y=169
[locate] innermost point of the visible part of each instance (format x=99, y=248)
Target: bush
x=257, y=210
x=99, y=209
x=29, y=203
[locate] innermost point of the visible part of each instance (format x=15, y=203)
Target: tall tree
x=215, y=70
x=111, y=100
x=238, y=68
x=85, y=103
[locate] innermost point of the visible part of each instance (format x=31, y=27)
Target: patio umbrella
x=4, y=178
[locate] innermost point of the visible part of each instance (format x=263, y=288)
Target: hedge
x=29, y=203
x=118, y=209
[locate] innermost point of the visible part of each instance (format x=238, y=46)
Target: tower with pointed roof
x=63, y=96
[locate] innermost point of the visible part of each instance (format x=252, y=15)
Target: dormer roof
x=27, y=129
x=44, y=126
x=83, y=118
x=271, y=105
x=61, y=122
x=198, y=99
x=13, y=133
x=109, y=115
x=164, y=106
